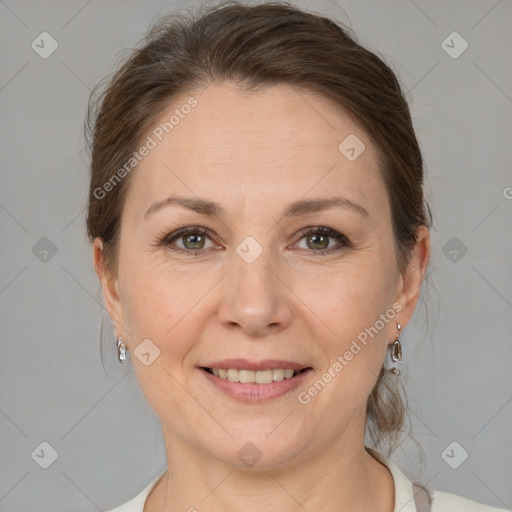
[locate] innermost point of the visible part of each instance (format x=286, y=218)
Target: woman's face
x=258, y=287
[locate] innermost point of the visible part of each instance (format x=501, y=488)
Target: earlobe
x=414, y=275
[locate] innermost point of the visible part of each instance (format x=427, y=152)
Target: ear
x=109, y=284
x=409, y=285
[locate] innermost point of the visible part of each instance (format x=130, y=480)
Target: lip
x=256, y=393
x=265, y=364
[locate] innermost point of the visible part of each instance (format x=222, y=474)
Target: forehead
x=276, y=116
x=278, y=139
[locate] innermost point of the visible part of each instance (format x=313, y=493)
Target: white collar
x=404, y=495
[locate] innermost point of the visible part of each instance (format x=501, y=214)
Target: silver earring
x=394, y=354
x=121, y=350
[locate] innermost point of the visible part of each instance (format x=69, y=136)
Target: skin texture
x=254, y=153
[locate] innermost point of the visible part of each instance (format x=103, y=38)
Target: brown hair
x=271, y=43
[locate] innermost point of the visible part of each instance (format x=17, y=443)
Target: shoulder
x=137, y=503
x=411, y=496
x=448, y=502
x=134, y=505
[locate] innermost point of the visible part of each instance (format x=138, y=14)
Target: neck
x=342, y=477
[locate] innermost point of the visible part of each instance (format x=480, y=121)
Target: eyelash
x=321, y=230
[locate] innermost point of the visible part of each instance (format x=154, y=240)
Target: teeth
x=233, y=375
x=263, y=377
x=252, y=376
x=278, y=374
x=246, y=376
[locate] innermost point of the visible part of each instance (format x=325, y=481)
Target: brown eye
x=195, y=241
x=318, y=240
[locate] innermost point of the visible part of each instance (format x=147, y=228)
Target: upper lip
x=265, y=364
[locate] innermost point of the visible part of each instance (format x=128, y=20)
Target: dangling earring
x=394, y=354
x=121, y=350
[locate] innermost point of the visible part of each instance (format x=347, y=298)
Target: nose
x=255, y=298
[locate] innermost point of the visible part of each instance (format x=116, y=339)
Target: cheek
x=355, y=307
x=350, y=297
x=159, y=306
x=354, y=303
x=164, y=304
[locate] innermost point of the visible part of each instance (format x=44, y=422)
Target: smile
x=255, y=385
x=251, y=376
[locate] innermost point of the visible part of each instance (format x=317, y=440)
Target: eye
x=193, y=239
x=318, y=239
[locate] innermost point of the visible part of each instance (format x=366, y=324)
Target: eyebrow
x=302, y=207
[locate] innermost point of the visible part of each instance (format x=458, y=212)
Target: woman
x=261, y=237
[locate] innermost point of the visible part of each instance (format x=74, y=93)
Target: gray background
x=53, y=385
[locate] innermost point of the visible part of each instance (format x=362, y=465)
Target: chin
x=256, y=450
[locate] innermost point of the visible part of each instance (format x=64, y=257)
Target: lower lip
x=249, y=392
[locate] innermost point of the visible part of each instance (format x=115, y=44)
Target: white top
x=407, y=499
